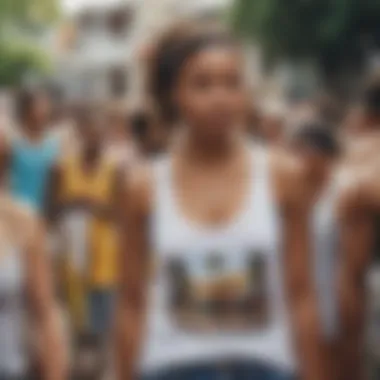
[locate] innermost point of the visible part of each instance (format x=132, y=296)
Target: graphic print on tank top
x=220, y=291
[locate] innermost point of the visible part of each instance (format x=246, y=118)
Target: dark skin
x=358, y=207
x=209, y=154
x=32, y=122
x=44, y=318
x=322, y=167
x=91, y=155
x=52, y=355
x=358, y=200
x=362, y=143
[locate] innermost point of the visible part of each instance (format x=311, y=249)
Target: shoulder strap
x=162, y=173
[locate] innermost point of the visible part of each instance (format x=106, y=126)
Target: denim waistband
x=228, y=370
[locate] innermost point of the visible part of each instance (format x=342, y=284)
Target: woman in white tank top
x=214, y=277
x=27, y=307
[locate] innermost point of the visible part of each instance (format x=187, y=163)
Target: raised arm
x=44, y=312
x=134, y=269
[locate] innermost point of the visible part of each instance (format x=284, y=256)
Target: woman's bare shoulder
x=137, y=185
x=286, y=163
x=289, y=175
x=362, y=149
x=356, y=183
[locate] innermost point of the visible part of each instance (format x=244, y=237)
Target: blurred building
x=93, y=51
x=100, y=47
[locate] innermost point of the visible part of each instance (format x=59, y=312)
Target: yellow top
x=97, y=187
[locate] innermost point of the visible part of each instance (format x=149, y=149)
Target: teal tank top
x=30, y=168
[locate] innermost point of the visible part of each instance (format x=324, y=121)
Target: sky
x=73, y=5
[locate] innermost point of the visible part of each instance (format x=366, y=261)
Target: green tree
x=336, y=34
x=21, y=25
x=28, y=12
x=17, y=60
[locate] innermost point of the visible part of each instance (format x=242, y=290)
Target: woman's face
x=40, y=110
x=118, y=131
x=319, y=164
x=91, y=129
x=355, y=121
x=272, y=129
x=210, y=94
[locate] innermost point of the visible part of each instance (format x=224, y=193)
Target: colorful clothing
x=100, y=269
x=30, y=167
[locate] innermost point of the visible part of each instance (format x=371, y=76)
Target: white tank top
x=325, y=258
x=12, y=327
x=217, y=293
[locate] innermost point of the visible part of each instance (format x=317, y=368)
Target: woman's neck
x=32, y=133
x=209, y=151
x=90, y=156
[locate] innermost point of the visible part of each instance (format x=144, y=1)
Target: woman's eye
x=202, y=82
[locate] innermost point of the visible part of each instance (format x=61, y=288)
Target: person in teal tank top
x=29, y=169
x=33, y=151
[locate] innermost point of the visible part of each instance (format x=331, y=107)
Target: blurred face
x=318, y=162
x=210, y=94
x=272, y=129
x=40, y=111
x=355, y=121
x=91, y=129
x=118, y=131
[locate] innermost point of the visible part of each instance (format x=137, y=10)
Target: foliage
x=18, y=60
x=21, y=22
x=29, y=11
x=335, y=32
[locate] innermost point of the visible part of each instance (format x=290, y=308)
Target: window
x=87, y=21
x=118, y=81
x=119, y=21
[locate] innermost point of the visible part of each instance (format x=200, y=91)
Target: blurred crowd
x=67, y=163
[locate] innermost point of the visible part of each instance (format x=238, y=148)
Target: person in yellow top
x=83, y=190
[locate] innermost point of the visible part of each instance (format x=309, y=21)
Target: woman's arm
x=5, y=156
x=134, y=268
x=44, y=312
x=357, y=238
x=299, y=279
x=52, y=204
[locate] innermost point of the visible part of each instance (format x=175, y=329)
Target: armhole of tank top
x=260, y=169
x=160, y=185
x=333, y=196
x=264, y=195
